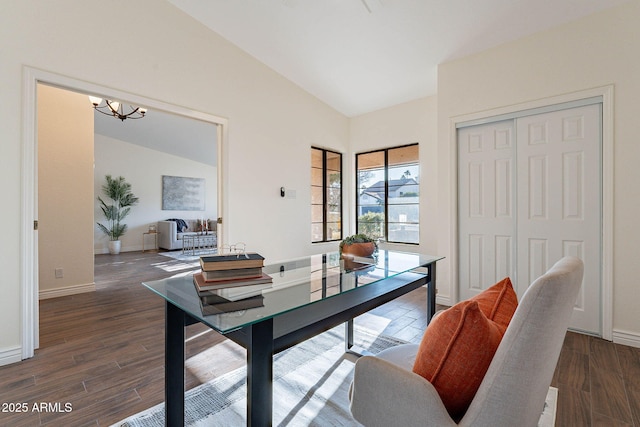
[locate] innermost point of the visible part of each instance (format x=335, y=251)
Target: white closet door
x=486, y=219
x=559, y=201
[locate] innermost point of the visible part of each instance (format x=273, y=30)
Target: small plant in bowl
x=359, y=245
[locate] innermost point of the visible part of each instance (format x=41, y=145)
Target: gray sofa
x=385, y=392
x=171, y=239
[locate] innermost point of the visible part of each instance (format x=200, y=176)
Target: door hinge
x=220, y=220
x=35, y=224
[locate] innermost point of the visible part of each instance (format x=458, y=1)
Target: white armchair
x=386, y=392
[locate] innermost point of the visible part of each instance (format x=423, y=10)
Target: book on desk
x=202, y=285
x=225, y=300
x=220, y=275
x=225, y=271
x=231, y=262
x=236, y=273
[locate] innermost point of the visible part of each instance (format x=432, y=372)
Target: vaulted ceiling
x=169, y=133
x=355, y=55
x=363, y=55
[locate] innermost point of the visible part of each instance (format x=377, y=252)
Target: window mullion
x=325, y=201
x=326, y=195
x=386, y=195
x=357, y=195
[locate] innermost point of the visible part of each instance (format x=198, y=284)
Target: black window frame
x=386, y=192
x=325, y=201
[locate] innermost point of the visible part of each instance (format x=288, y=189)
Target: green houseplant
x=358, y=245
x=119, y=191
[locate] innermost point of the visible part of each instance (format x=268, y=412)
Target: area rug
x=310, y=388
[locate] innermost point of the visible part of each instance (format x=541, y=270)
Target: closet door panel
x=559, y=196
x=486, y=206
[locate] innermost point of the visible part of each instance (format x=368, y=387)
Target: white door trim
x=29, y=242
x=607, y=94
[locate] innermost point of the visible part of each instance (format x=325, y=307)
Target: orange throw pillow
x=498, y=302
x=455, y=353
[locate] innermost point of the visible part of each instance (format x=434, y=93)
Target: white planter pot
x=114, y=247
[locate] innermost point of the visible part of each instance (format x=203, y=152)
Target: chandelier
x=116, y=109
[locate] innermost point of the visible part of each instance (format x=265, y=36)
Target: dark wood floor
x=102, y=353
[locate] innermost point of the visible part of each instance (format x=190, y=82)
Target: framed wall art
x=183, y=193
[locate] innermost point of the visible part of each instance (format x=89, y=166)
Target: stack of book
x=230, y=282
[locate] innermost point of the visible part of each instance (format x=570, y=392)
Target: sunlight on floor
x=172, y=266
x=200, y=364
x=328, y=385
x=373, y=322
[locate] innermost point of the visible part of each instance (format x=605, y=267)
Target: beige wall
x=65, y=191
x=152, y=49
x=596, y=51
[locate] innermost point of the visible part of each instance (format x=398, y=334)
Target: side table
x=155, y=239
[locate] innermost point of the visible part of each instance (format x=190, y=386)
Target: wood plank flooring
x=101, y=356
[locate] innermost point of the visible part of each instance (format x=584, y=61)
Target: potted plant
x=359, y=245
x=119, y=191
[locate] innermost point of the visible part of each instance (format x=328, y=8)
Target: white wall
x=596, y=51
x=143, y=169
x=65, y=199
x=410, y=122
x=152, y=49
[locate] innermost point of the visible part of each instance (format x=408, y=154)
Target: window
x=388, y=205
x=326, y=195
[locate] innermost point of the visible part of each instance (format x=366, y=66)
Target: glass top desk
x=308, y=296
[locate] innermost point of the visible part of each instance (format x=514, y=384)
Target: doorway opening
x=113, y=152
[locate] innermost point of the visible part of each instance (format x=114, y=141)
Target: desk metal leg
x=431, y=292
x=348, y=335
x=349, y=339
x=174, y=365
x=260, y=374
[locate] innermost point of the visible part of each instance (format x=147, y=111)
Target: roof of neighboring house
x=370, y=194
x=377, y=189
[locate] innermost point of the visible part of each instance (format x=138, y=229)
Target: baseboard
x=443, y=300
x=134, y=248
x=632, y=339
x=10, y=356
x=67, y=290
